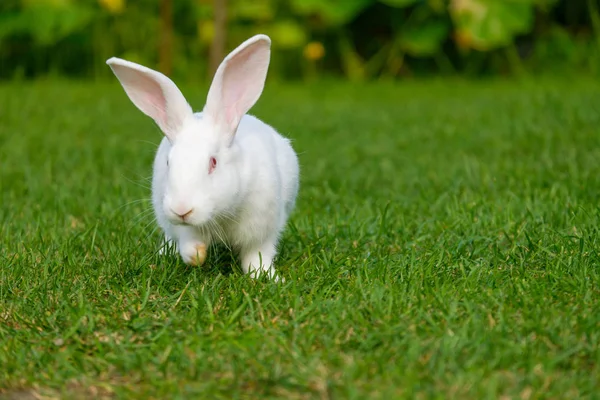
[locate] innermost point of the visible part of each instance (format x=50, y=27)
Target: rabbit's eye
x=212, y=164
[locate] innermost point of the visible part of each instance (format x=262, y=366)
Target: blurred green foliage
x=358, y=39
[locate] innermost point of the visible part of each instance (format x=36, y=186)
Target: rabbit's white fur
x=246, y=199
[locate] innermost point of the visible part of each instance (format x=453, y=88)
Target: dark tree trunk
x=217, y=50
x=165, y=54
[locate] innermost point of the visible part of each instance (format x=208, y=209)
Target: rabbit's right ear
x=154, y=94
x=237, y=84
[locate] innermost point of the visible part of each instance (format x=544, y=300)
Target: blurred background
x=351, y=39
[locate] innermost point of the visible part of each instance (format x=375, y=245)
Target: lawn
x=445, y=244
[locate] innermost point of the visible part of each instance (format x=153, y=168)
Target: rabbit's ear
x=238, y=83
x=154, y=94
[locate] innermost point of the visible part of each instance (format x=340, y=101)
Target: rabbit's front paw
x=259, y=261
x=193, y=253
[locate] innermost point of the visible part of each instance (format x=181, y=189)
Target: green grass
x=445, y=245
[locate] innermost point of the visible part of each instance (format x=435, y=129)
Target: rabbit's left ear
x=154, y=94
x=237, y=85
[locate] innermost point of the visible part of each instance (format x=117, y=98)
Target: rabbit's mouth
x=183, y=216
x=192, y=222
x=180, y=222
x=200, y=224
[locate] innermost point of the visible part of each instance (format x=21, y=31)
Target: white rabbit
x=220, y=175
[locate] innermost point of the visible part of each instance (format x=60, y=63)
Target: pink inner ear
x=147, y=94
x=243, y=81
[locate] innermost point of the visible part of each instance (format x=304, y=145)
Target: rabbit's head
x=202, y=168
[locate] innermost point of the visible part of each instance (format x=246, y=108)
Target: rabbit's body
x=268, y=169
x=220, y=175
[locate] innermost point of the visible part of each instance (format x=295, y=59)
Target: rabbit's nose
x=182, y=214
